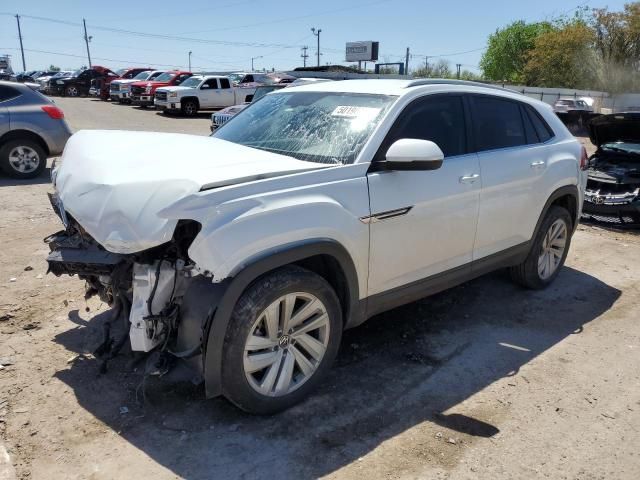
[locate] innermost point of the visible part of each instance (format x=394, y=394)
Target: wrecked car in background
x=613, y=187
x=246, y=254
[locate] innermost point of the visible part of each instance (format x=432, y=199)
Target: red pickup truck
x=142, y=93
x=100, y=86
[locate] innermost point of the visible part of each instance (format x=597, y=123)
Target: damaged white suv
x=246, y=254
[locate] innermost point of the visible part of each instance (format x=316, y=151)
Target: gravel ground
x=484, y=381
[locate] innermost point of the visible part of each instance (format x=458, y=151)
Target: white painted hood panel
x=114, y=183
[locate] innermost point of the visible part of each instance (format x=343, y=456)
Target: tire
x=22, y=158
x=71, y=91
x=530, y=273
x=189, y=108
x=269, y=389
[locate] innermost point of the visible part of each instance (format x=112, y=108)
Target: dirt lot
x=484, y=381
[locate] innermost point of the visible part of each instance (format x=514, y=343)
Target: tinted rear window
x=497, y=123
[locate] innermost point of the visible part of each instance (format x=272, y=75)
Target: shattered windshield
x=322, y=127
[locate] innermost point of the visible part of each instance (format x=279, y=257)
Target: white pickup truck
x=202, y=92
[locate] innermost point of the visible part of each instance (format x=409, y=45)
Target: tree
x=617, y=45
x=438, y=69
x=508, y=49
x=562, y=58
x=53, y=68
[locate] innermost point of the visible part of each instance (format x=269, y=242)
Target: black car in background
x=79, y=83
x=613, y=186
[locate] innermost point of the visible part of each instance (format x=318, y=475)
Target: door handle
x=538, y=164
x=469, y=178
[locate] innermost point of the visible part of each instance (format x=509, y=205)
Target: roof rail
x=447, y=81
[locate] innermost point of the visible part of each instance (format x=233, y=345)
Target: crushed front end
x=145, y=290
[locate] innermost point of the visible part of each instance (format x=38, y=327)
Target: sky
x=224, y=35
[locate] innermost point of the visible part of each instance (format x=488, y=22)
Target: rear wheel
x=283, y=336
x=22, y=158
x=548, y=251
x=72, y=91
x=189, y=108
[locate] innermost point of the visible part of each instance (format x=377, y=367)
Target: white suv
x=247, y=254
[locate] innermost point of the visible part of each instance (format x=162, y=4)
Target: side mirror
x=413, y=154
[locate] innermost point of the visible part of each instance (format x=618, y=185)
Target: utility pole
x=458, y=66
x=304, y=56
x=406, y=63
x=426, y=65
x=317, y=34
x=87, y=39
x=24, y=65
x=252, y=59
x=190, y=52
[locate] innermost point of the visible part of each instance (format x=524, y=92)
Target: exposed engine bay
x=612, y=194
x=144, y=289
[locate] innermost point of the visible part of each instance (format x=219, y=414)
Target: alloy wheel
x=286, y=344
x=24, y=159
x=553, y=247
x=72, y=91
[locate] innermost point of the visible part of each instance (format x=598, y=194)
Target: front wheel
x=548, y=251
x=189, y=108
x=72, y=91
x=282, y=338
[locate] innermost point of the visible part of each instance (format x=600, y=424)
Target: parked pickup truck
x=142, y=92
x=100, y=86
x=120, y=90
x=202, y=92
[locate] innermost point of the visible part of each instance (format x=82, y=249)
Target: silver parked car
x=32, y=128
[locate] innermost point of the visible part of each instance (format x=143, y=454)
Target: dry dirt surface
x=485, y=381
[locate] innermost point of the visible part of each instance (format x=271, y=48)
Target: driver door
x=209, y=93
x=423, y=223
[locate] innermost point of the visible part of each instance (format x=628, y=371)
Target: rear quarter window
x=8, y=93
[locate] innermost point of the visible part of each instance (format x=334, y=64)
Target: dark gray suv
x=32, y=128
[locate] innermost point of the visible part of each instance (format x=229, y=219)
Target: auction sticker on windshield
x=350, y=111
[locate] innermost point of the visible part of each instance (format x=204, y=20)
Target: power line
x=165, y=36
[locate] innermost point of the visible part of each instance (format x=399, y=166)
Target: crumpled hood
x=616, y=127
x=114, y=183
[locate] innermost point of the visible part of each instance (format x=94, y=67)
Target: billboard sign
x=361, y=51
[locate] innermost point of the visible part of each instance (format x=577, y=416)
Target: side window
x=248, y=79
x=542, y=129
x=436, y=118
x=224, y=83
x=7, y=93
x=497, y=123
x=212, y=84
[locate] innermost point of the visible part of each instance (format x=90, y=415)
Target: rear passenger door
x=510, y=141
